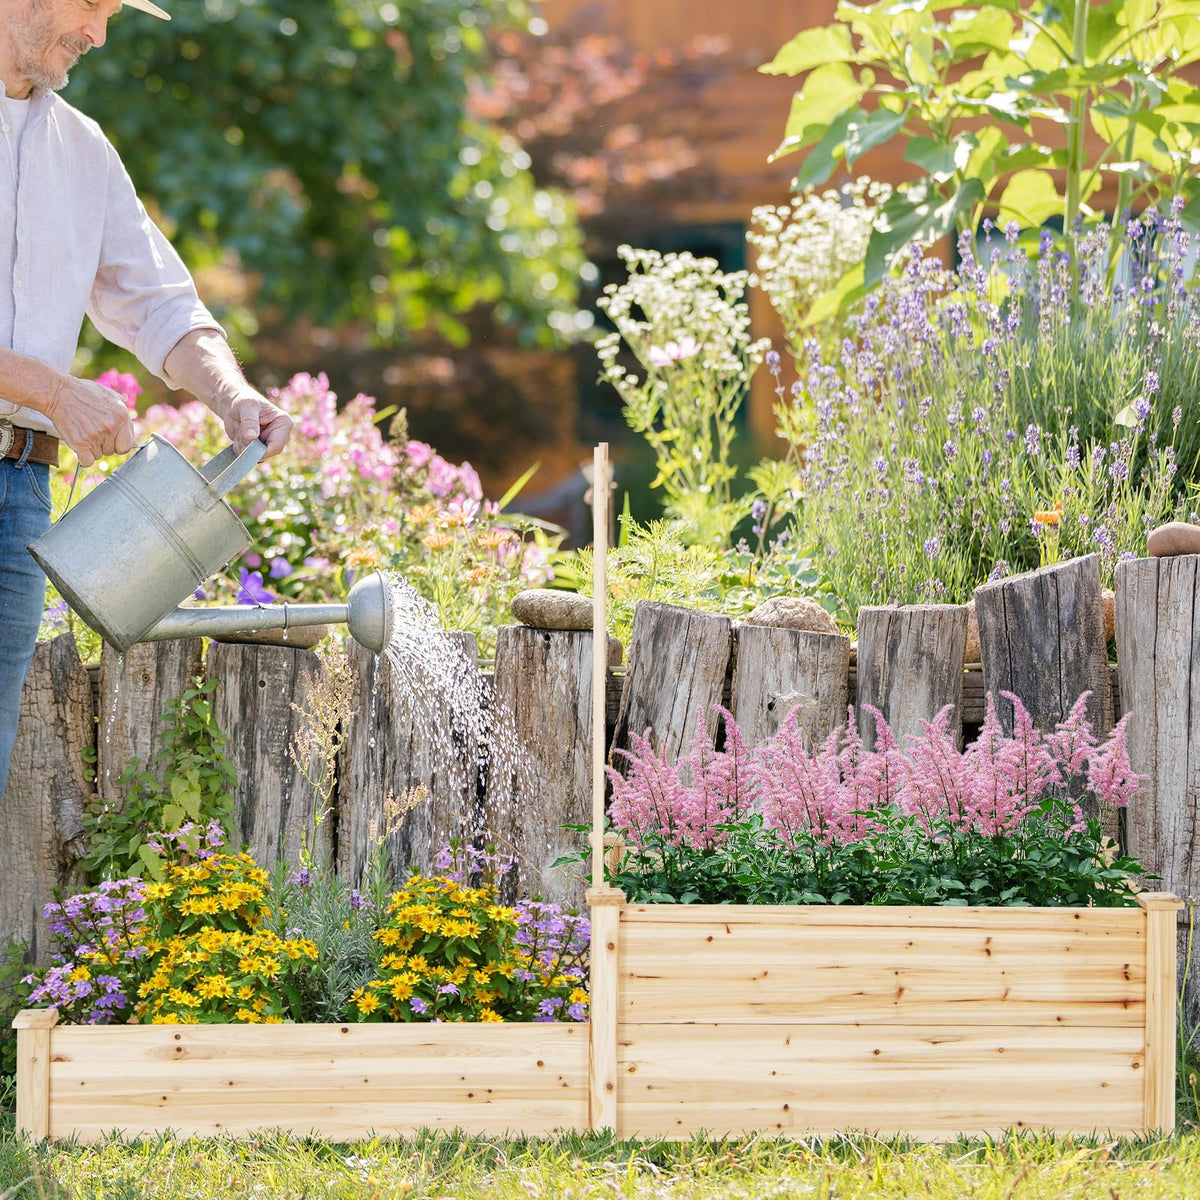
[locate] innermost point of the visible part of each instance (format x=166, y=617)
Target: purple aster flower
x=419, y=1006
x=252, y=590
x=280, y=568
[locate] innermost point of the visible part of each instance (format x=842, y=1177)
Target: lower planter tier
x=928, y=1022
x=334, y=1081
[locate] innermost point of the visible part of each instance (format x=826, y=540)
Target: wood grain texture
x=540, y=780
x=1158, y=632
x=259, y=689
x=341, y=1082
x=41, y=831
x=1055, y=973
x=1161, y=910
x=777, y=670
x=678, y=661
x=135, y=690
x=1041, y=636
x=927, y=1082
x=33, y=1082
x=606, y=904
x=910, y=666
x=397, y=740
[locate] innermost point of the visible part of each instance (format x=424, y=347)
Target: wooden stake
x=606, y=904
x=33, y=1027
x=1160, y=908
x=599, y=652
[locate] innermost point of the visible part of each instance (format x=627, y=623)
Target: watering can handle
x=227, y=470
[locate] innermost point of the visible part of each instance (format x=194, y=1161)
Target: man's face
x=47, y=37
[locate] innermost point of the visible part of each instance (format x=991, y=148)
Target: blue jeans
x=24, y=516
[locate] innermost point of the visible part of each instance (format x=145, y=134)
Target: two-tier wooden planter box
x=923, y=1021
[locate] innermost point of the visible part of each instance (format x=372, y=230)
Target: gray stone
x=544, y=608
x=792, y=612
x=298, y=637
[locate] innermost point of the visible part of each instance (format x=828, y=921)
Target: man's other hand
x=253, y=416
x=91, y=419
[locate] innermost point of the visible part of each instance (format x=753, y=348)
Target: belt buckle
x=7, y=436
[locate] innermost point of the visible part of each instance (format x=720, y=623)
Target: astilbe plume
x=839, y=792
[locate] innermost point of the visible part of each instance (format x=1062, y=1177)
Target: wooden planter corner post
x=33, y=1027
x=606, y=902
x=1161, y=909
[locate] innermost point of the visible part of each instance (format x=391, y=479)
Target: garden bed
x=794, y=1020
x=921, y=1021
x=336, y=1081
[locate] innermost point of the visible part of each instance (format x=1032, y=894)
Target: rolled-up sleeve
x=143, y=299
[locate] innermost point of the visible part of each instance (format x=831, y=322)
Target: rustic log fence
x=1042, y=637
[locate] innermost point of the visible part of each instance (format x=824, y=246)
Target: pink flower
x=674, y=351
x=419, y=453
x=126, y=385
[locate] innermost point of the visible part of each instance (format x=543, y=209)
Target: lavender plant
x=998, y=823
x=967, y=401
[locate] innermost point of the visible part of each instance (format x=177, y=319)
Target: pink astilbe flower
x=648, y=802
x=872, y=775
x=1072, y=741
x=933, y=785
x=798, y=788
x=1110, y=774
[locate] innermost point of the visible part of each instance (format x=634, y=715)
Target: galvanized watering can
x=152, y=532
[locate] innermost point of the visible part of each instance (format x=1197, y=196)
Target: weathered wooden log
x=261, y=692
x=777, y=670
x=538, y=766
x=415, y=733
x=1041, y=635
x=678, y=660
x=1158, y=645
x=910, y=666
x=41, y=814
x=135, y=689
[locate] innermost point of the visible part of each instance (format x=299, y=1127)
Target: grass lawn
x=491, y=1169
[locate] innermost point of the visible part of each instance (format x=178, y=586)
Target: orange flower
x=436, y=541
x=1049, y=516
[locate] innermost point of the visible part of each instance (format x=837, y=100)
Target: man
x=74, y=239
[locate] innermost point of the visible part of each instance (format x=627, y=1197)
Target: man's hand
x=253, y=416
x=91, y=419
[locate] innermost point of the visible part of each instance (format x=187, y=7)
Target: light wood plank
x=605, y=905
x=33, y=1081
x=1161, y=909
x=339, y=1081
x=677, y=1080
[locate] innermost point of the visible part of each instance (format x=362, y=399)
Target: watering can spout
x=367, y=612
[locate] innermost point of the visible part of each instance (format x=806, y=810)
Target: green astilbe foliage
x=324, y=144
x=188, y=781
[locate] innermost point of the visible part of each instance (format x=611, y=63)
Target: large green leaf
x=845, y=292
x=916, y=213
x=828, y=92
x=977, y=30
x=1030, y=199
x=812, y=48
x=850, y=135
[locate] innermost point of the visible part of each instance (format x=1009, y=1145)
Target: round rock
x=299, y=637
x=1176, y=537
x=792, y=612
x=544, y=608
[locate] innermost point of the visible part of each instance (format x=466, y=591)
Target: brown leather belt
x=13, y=439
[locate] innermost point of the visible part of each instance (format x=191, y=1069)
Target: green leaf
x=812, y=48
x=172, y=816
x=828, y=92
x=917, y=213
x=1030, y=199
x=845, y=292
x=939, y=159
x=871, y=129
x=975, y=31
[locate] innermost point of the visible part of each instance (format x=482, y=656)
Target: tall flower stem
x=1075, y=154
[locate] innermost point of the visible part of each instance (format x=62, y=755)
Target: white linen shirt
x=75, y=239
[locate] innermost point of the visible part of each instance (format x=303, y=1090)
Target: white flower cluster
x=804, y=248
x=677, y=308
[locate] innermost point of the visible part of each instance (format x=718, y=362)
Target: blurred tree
x=323, y=149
